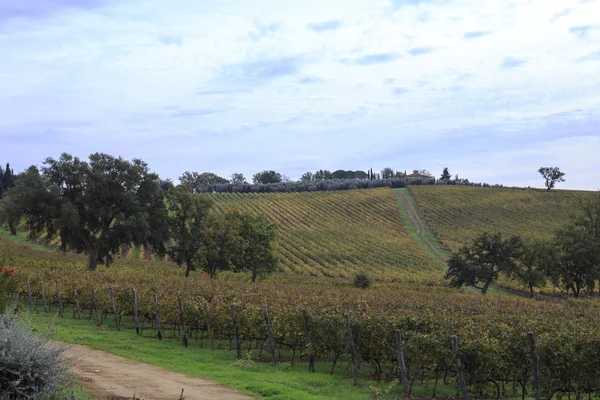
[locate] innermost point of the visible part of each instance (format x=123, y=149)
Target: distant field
x=456, y=214
x=338, y=233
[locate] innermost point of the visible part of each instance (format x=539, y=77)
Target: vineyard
x=456, y=214
x=492, y=331
x=336, y=234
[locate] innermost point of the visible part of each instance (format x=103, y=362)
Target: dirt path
x=420, y=226
x=107, y=375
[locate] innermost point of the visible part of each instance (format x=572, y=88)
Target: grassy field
x=456, y=214
x=339, y=233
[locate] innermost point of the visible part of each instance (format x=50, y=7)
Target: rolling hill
x=338, y=233
x=456, y=214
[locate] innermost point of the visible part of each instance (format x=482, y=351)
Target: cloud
x=400, y=90
x=170, y=39
x=307, y=80
x=34, y=9
x=262, y=70
x=263, y=30
x=330, y=25
x=476, y=34
x=419, y=51
x=379, y=58
x=562, y=13
x=595, y=56
x=512, y=62
x=583, y=30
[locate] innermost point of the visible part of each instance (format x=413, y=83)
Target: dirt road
x=108, y=376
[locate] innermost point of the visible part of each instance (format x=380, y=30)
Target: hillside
x=338, y=233
x=456, y=214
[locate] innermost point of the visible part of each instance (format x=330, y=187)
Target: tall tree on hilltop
x=188, y=213
x=238, y=179
x=197, y=181
x=480, y=264
x=267, y=177
x=551, y=175
x=94, y=207
x=387, y=173
x=445, y=175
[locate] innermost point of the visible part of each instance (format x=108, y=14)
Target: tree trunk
x=147, y=252
x=254, y=274
x=485, y=287
x=126, y=250
x=13, y=228
x=188, y=268
x=93, y=258
x=530, y=291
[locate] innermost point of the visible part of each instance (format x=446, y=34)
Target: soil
x=107, y=376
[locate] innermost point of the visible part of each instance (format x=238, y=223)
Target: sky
x=492, y=90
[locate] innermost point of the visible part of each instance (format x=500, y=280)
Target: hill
x=338, y=233
x=456, y=214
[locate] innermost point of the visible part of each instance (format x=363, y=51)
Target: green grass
x=285, y=381
x=20, y=238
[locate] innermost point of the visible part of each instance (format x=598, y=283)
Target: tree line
x=102, y=206
x=570, y=260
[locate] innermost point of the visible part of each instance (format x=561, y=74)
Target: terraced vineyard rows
x=338, y=233
x=456, y=214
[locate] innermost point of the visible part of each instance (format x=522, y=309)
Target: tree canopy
x=93, y=207
x=269, y=176
x=551, y=175
x=195, y=181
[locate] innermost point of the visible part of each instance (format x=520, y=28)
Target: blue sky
x=492, y=91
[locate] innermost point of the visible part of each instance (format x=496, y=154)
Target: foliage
x=362, y=280
x=445, y=175
x=537, y=259
x=482, y=262
x=258, y=244
x=30, y=367
x=266, y=177
x=187, y=224
x=551, y=175
x=387, y=173
x=339, y=233
x=221, y=243
x=94, y=207
x=195, y=180
x=238, y=179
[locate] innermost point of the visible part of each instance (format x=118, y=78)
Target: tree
x=266, y=177
x=577, y=266
x=425, y=172
x=307, y=177
x=238, y=179
x=387, y=173
x=93, y=207
x=221, y=243
x=400, y=174
x=322, y=175
x=480, y=264
x=551, y=175
x=538, y=257
x=7, y=178
x=165, y=185
x=197, y=181
x=188, y=214
x=339, y=174
x=445, y=175
x=259, y=237
x=360, y=175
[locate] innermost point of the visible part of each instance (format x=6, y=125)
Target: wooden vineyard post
x=270, y=337
x=114, y=306
x=29, y=294
x=77, y=309
x=208, y=328
x=61, y=310
x=95, y=307
x=311, y=362
x=352, y=350
x=238, y=345
x=401, y=363
x=182, y=321
x=44, y=297
x=158, y=329
x=135, y=312
x=459, y=371
x=535, y=365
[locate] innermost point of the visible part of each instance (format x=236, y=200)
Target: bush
x=7, y=286
x=362, y=280
x=30, y=367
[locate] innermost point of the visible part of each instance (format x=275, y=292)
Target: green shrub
x=30, y=367
x=362, y=280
